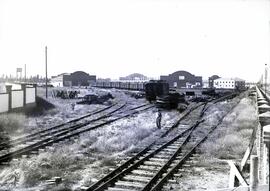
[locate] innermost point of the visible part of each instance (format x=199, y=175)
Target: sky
x=113, y=38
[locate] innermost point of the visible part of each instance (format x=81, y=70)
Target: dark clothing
x=158, y=120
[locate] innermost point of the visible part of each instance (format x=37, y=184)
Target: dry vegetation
x=231, y=139
x=12, y=122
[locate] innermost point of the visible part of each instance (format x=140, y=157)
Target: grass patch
x=11, y=122
x=231, y=139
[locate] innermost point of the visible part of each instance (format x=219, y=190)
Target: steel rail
x=55, y=127
x=105, y=180
x=58, y=130
x=170, y=173
x=61, y=137
x=128, y=165
x=172, y=158
x=131, y=167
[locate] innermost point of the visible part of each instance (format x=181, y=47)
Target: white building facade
x=229, y=83
x=224, y=83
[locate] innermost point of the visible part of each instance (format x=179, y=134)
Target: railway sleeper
x=165, y=152
x=151, y=163
x=156, y=159
x=169, y=149
x=148, y=168
x=178, y=175
x=195, y=158
x=127, y=184
x=120, y=189
x=143, y=173
x=192, y=162
x=161, y=156
x=174, y=146
x=142, y=179
x=184, y=170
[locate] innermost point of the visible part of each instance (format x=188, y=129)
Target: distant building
x=134, y=77
x=78, y=78
x=205, y=83
x=240, y=84
x=229, y=83
x=104, y=79
x=183, y=79
x=61, y=80
x=211, y=80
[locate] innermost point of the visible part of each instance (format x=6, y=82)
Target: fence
x=17, y=99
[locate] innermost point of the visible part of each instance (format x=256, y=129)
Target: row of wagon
x=139, y=86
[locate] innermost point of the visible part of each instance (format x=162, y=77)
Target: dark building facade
x=183, y=79
x=78, y=78
x=211, y=80
x=81, y=78
x=134, y=77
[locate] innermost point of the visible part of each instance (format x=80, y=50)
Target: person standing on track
x=158, y=120
x=73, y=106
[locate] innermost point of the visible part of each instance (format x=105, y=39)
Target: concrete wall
x=30, y=95
x=17, y=99
x=3, y=103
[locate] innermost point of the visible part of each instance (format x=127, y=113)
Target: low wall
x=15, y=99
x=3, y=102
x=30, y=95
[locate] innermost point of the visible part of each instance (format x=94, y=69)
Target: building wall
x=30, y=95
x=234, y=83
x=78, y=78
x=224, y=83
x=17, y=99
x=240, y=84
x=183, y=79
x=211, y=80
x=3, y=102
x=57, y=81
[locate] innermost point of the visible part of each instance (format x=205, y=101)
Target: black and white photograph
x=134, y=95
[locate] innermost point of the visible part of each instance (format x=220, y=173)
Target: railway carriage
x=138, y=86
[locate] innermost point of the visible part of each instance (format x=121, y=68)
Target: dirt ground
x=211, y=170
x=93, y=154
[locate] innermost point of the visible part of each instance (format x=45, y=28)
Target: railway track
x=30, y=144
x=107, y=111
x=151, y=168
x=48, y=131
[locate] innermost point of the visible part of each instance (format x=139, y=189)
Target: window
x=175, y=84
x=181, y=77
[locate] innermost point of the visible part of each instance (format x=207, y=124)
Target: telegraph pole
x=25, y=73
x=46, y=85
x=265, y=80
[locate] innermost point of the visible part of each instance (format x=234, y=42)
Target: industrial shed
x=183, y=79
x=229, y=83
x=78, y=78
x=211, y=80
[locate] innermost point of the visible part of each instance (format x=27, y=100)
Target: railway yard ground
x=81, y=160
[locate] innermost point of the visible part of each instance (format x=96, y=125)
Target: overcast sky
x=112, y=38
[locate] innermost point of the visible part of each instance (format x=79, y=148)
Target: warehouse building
x=78, y=78
x=183, y=79
x=136, y=77
x=229, y=83
x=211, y=80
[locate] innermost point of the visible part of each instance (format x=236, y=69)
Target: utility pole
x=25, y=73
x=265, y=80
x=46, y=85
